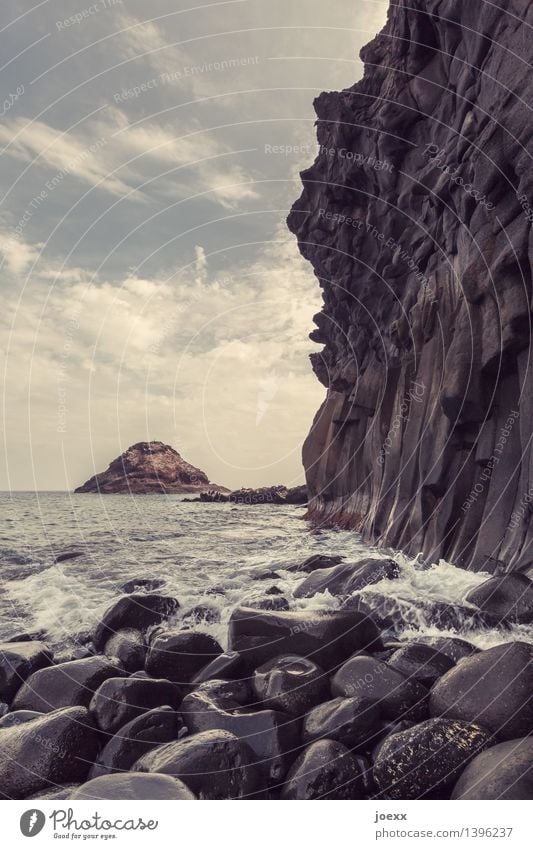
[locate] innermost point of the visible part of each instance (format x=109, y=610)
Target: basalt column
x=417, y=218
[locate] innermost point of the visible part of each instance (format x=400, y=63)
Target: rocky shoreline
x=302, y=704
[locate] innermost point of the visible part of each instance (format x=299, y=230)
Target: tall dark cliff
x=417, y=218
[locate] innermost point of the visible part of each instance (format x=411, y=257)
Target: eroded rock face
x=417, y=217
x=149, y=467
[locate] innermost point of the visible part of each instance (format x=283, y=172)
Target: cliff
x=149, y=467
x=416, y=217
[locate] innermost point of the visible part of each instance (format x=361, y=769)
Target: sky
x=150, y=287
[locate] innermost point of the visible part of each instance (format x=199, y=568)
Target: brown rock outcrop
x=150, y=467
x=417, y=218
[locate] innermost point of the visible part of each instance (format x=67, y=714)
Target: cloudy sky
x=151, y=289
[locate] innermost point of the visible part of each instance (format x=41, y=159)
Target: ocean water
x=205, y=553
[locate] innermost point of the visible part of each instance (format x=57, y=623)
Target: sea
x=203, y=554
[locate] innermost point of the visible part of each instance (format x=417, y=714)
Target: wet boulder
x=290, y=684
x=327, y=638
x=271, y=735
x=504, y=771
x=62, y=792
x=201, y=614
x=57, y=748
x=19, y=717
x=422, y=662
x=129, y=647
x=213, y=764
x=120, y=700
x=17, y=662
x=135, y=738
x=492, y=688
x=395, y=613
x=316, y=561
x=136, y=611
x=427, y=759
x=146, y=584
x=133, y=785
x=351, y=721
x=453, y=647
x=508, y=597
x=180, y=655
x=347, y=578
x=227, y=665
x=279, y=603
x=324, y=770
x=65, y=685
x=396, y=695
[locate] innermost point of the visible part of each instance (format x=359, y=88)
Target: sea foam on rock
x=136, y=611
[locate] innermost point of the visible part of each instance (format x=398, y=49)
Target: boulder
x=57, y=748
x=396, y=695
x=146, y=584
x=133, y=611
x=297, y=495
x=180, y=655
x=492, y=688
x=422, y=662
x=134, y=785
x=63, y=792
x=226, y=665
x=325, y=770
x=504, y=771
x=351, y=721
x=347, y=578
x=133, y=740
x=426, y=760
x=316, y=561
x=213, y=764
x=269, y=604
x=17, y=662
x=129, y=647
x=290, y=684
x=508, y=597
x=201, y=614
x=271, y=735
x=395, y=613
x=19, y=717
x=453, y=647
x=327, y=638
x=120, y=700
x=65, y=685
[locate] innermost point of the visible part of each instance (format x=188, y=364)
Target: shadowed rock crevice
x=416, y=217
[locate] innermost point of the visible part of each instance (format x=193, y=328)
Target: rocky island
x=150, y=467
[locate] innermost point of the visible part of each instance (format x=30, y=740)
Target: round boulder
x=426, y=760
x=129, y=647
x=352, y=721
x=65, y=685
x=133, y=611
x=503, y=772
x=290, y=684
x=180, y=655
x=508, y=597
x=325, y=770
x=396, y=695
x=133, y=785
x=57, y=748
x=213, y=764
x=120, y=700
x=422, y=662
x=17, y=662
x=492, y=688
